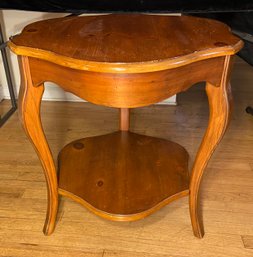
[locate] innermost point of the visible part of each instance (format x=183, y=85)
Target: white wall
x=13, y=22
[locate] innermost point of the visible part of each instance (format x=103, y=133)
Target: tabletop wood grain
x=125, y=42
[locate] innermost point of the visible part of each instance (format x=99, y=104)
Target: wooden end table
x=125, y=61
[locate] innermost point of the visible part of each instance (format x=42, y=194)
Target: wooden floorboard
x=226, y=194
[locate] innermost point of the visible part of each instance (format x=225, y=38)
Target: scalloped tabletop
x=125, y=43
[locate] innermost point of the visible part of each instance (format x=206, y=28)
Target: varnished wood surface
x=124, y=176
x=127, y=90
x=125, y=43
x=29, y=112
x=128, y=217
x=147, y=87
x=220, y=104
x=227, y=188
x=124, y=119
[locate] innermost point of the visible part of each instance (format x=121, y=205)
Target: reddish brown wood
x=123, y=176
x=125, y=43
x=124, y=119
x=127, y=90
x=220, y=101
x=125, y=61
x=29, y=112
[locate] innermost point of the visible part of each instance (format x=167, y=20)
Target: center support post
x=124, y=120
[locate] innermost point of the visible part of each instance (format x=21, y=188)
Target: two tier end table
x=125, y=61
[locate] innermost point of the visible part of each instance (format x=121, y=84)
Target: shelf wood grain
x=123, y=176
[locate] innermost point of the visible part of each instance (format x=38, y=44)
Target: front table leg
x=220, y=100
x=29, y=112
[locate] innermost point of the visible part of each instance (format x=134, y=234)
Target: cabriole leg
x=220, y=100
x=29, y=112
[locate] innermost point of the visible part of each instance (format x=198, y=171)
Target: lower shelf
x=123, y=176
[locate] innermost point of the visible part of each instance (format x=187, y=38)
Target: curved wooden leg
x=29, y=111
x=220, y=100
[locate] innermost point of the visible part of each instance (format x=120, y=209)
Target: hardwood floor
x=226, y=192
